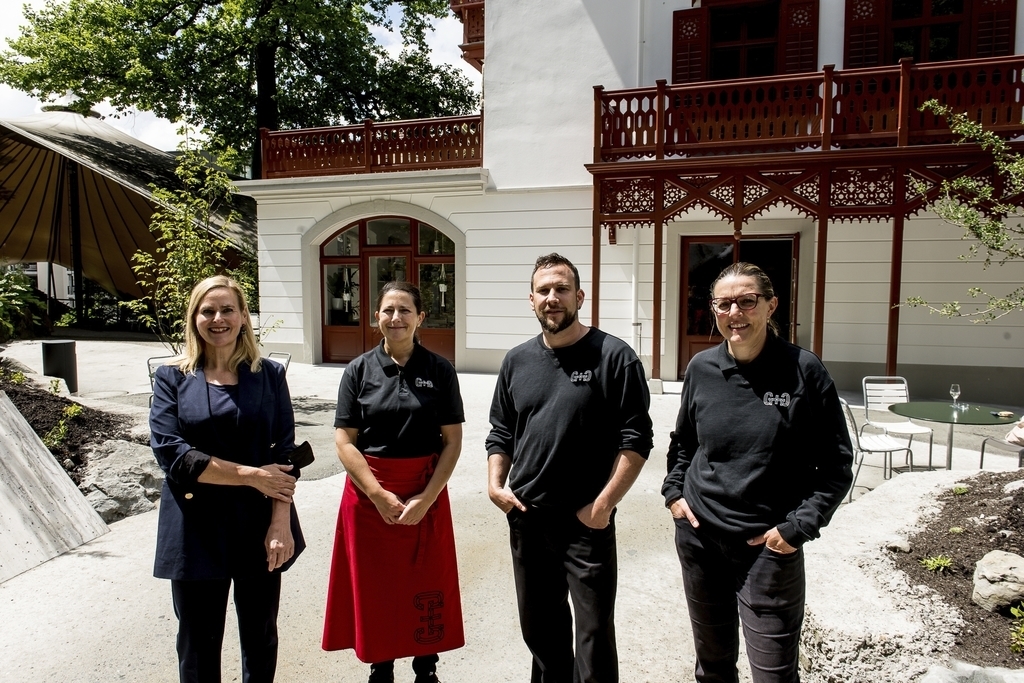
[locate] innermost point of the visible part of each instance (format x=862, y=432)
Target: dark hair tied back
x=407, y=288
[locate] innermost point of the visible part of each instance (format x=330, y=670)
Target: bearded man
x=570, y=424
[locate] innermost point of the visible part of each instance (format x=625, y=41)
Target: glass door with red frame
x=372, y=253
x=703, y=258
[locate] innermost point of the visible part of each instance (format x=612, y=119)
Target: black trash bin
x=59, y=360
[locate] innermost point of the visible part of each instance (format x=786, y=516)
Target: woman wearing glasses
x=759, y=461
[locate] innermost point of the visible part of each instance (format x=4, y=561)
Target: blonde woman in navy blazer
x=221, y=429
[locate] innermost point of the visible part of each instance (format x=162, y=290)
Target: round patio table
x=943, y=411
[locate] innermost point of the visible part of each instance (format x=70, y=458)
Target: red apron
x=394, y=589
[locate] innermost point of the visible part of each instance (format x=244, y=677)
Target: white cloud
x=443, y=41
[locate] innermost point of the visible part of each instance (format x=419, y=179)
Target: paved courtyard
x=97, y=614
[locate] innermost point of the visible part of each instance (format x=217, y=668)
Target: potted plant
x=336, y=288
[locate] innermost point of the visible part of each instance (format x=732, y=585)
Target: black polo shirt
x=399, y=410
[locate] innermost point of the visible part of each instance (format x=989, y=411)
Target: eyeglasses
x=746, y=302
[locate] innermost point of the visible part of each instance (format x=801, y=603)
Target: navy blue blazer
x=210, y=531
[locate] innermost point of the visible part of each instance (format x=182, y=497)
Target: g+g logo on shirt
x=420, y=382
x=584, y=376
x=771, y=399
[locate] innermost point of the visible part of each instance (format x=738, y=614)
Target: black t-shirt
x=760, y=444
x=564, y=414
x=399, y=410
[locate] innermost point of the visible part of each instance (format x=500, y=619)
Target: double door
x=359, y=260
x=703, y=258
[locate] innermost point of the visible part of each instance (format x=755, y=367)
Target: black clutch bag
x=302, y=455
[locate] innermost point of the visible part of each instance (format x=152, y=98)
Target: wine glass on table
x=954, y=391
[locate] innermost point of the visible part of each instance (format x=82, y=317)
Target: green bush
x=20, y=308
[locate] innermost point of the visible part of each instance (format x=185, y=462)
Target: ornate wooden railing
x=453, y=142
x=825, y=110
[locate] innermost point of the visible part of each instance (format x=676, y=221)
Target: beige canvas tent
x=75, y=191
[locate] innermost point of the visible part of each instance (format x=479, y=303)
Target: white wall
x=857, y=296
x=543, y=59
x=831, y=32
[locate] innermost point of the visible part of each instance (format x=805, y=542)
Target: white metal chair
x=152, y=364
x=282, y=357
x=880, y=392
x=872, y=443
x=1003, y=445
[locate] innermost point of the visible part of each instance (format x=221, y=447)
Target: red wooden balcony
x=824, y=110
x=453, y=142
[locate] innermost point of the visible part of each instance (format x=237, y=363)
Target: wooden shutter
x=690, y=45
x=798, y=36
x=992, y=27
x=865, y=33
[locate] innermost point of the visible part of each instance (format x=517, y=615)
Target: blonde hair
x=247, y=349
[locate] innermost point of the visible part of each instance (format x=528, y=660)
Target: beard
x=554, y=328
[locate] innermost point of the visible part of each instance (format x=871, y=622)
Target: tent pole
x=53, y=252
x=76, y=242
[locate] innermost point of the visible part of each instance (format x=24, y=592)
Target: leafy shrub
x=20, y=307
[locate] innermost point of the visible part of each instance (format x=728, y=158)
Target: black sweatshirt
x=760, y=444
x=564, y=414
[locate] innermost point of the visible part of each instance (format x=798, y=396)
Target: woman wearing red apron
x=394, y=586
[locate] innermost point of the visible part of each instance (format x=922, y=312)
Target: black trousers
x=555, y=556
x=201, y=608
x=726, y=582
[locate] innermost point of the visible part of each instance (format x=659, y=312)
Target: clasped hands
x=394, y=510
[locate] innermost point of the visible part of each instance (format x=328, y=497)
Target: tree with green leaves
x=187, y=250
x=989, y=215
x=233, y=67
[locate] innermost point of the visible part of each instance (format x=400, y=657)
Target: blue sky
x=160, y=133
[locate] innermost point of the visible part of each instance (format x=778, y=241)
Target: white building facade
x=469, y=235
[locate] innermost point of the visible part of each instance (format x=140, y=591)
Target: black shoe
x=379, y=676
x=427, y=678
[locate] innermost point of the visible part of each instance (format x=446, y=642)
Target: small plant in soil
x=937, y=563
x=956, y=530
x=56, y=436
x=960, y=490
x=54, y=386
x=1017, y=629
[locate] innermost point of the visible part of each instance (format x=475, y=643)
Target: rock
x=998, y=580
x=121, y=479
x=1013, y=486
x=968, y=673
x=899, y=545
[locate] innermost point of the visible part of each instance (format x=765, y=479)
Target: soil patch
x=43, y=411
x=970, y=524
